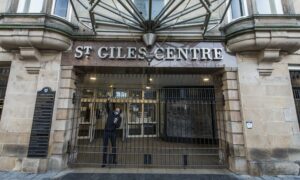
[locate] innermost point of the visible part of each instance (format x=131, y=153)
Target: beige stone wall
x=272, y=145
x=25, y=79
x=233, y=122
x=62, y=125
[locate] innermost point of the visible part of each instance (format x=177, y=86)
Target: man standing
x=112, y=123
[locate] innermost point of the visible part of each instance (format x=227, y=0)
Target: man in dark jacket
x=112, y=123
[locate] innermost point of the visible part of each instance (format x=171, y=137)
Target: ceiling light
x=148, y=87
x=111, y=86
x=150, y=79
x=205, y=79
x=93, y=78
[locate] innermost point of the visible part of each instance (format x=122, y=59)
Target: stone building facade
x=39, y=42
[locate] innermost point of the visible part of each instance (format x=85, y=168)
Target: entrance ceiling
x=150, y=16
x=141, y=80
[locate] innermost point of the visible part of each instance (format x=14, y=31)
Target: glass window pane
x=149, y=113
x=263, y=7
x=120, y=94
x=61, y=8
x=135, y=94
x=157, y=6
x=87, y=93
x=135, y=129
x=150, y=94
x=235, y=9
x=243, y=7
x=36, y=6
x=21, y=6
x=149, y=129
x=135, y=113
x=278, y=6
x=142, y=6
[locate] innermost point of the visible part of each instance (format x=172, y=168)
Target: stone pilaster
x=62, y=126
x=18, y=110
x=233, y=123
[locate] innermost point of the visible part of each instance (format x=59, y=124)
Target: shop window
x=143, y=7
x=238, y=9
x=269, y=7
x=4, y=72
x=61, y=8
x=30, y=6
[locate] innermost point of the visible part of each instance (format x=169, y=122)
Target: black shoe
x=103, y=165
x=115, y=162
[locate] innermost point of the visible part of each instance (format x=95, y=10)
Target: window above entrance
x=30, y=6
x=269, y=6
x=238, y=9
x=61, y=8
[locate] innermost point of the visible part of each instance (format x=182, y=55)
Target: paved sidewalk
x=31, y=176
x=137, y=174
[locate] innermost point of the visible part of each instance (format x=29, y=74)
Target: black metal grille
x=295, y=80
x=169, y=127
x=4, y=73
x=296, y=92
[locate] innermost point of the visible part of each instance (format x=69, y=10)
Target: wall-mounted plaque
x=41, y=124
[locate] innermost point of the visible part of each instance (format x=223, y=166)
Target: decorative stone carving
x=262, y=34
x=29, y=53
x=266, y=58
x=35, y=31
x=39, y=39
x=33, y=70
x=269, y=55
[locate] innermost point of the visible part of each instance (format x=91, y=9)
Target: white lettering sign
x=159, y=54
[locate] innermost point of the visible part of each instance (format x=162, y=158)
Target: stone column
x=62, y=126
x=27, y=77
x=233, y=122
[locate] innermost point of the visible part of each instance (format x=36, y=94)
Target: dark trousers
x=109, y=135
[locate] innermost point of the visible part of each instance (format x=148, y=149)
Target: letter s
x=79, y=52
x=142, y=53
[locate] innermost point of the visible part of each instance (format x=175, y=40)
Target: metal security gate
x=295, y=80
x=296, y=92
x=169, y=127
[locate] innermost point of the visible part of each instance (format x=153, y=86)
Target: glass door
x=142, y=121
x=134, y=125
x=150, y=121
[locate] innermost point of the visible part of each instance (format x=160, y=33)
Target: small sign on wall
x=249, y=124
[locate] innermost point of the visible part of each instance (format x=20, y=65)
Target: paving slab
x=138, y=174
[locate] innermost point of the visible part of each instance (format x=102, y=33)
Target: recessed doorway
x=168, y=120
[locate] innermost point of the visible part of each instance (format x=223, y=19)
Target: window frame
x=246, y=13
x=69, y=11
x=276, y=7
x=27, y=5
